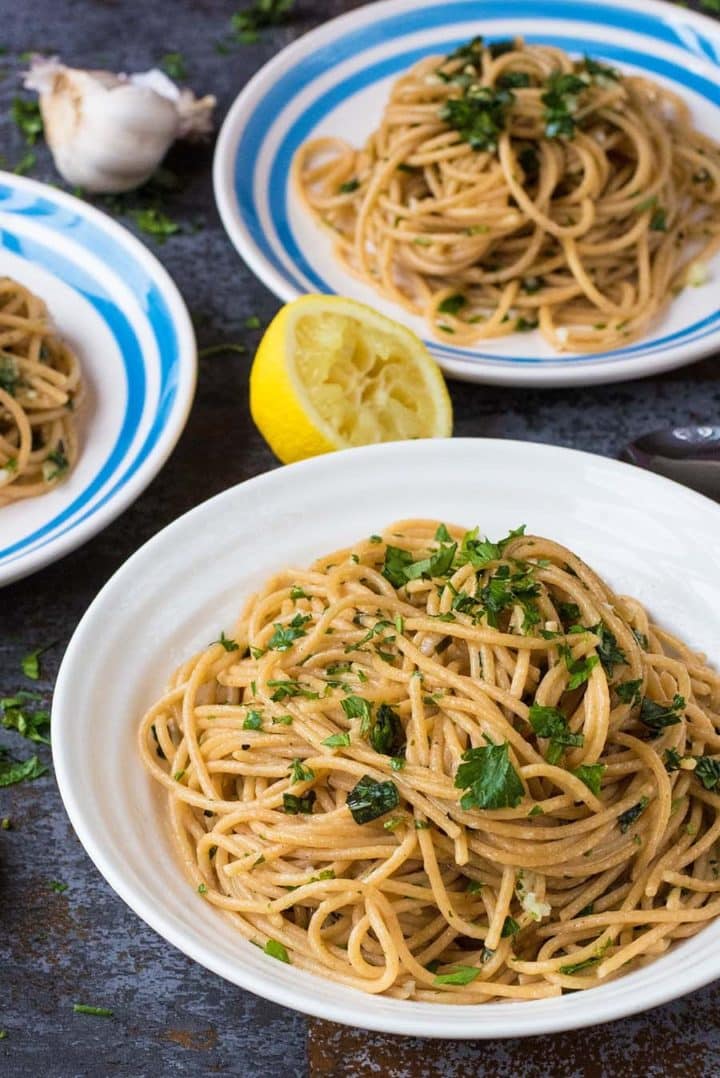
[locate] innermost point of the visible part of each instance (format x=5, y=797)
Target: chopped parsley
x=627, y=819
x=591, y=775
x=386, y=733
x=489, y=779
x=9, y=375
x=357, y=707
x=56, y=463
x=337, y=741
x=26, y=115
x=513, y=80
x=560, y=103
x=274, y=948
x=608, y=651
x=285, y=635
x=153, y=222
x=286, y=687
x=298, y=593
x=57, y=887
x=481, y=552
x=300, y=773
x=507, y=588
x=96, y=1012
x=397, y=763
x=247, y=23
x=458, y=975
x=253, y=721
x=348, y=187
x=479, y=115
x=227, y=643
x=30, y=663
x=510, y=928
x=707, y=769
x=369, y=799
x=658, y=716
x=173, y=64
x=400, y=567
x=550, y=723
x=579, y=669
x=21, y=713
x=451, y=305
x=658, y=221
x=295, y=805
x=672, y=760
x=14, y=771
x=629, y=692
x=579, y=967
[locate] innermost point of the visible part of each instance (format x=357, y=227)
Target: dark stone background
x=170, y=1016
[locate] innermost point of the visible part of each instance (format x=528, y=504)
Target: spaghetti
x=510, y=187
x=40, y=387
x=448, y=770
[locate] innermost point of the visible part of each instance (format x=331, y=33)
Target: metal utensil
x=690, y=455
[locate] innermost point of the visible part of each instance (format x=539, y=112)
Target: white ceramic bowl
x=647, y=535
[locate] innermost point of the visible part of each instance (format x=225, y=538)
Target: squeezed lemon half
x=331, y=373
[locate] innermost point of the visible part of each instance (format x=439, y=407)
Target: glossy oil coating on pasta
x=510, y=186
x=447, y=769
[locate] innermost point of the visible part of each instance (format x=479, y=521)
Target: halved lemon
x=331, y=373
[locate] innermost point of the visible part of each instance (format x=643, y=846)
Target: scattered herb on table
x=58, y=887
x=14, y=771
x=97, y=1012
x=173, y=64
x=27, y=117
x=153, y=222
x=21, y=713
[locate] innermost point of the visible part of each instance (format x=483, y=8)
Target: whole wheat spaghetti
x=510, y=187
x=446, y=769
x=40, y=388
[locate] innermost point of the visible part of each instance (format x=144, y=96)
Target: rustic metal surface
x=170, y=1016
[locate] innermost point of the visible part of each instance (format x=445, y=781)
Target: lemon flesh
x=331, y=373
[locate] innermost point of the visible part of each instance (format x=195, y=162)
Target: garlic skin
x=108, y=133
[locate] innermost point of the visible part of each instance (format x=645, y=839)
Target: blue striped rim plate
x=335, y=80
x=116, y=305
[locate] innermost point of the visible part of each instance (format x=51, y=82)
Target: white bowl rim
x=411, y=1019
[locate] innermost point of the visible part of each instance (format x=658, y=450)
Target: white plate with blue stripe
x=335, y=80
x=118, y=308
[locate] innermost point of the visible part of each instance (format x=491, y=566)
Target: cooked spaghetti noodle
x=510, y=187
x=445, y=769
x=40, y=387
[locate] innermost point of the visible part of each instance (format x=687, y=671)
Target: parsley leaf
x=579, y=669
x=658, y=716
x=20, y=713
x=591, y=775
x=253, y=721
x=629, y=691
x=578, y=967
x=559, y=101
x=294, y=804
x=400, y=567
x=337, y=741
x=276, y=950
x=550, y=723
x=227, y=643
x=153, y=222
x=173, y=64
x=458, y=975
x=285, y=687
x=26, y=115
x=609, y=652
x=285, y=635
x=505, y=589
x=357, y=707
x=510, y=928
x=369, y=799
x=627, y=819
x=489, y=778
x=387, y=734
x=14, y=771
x=707, y=769
x=479, y=115
x=480, y=552
x=299, y=773
x=451, y=305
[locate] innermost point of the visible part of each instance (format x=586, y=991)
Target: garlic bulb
x=108, y=133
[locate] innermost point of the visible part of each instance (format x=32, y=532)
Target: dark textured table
x=83, y=945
